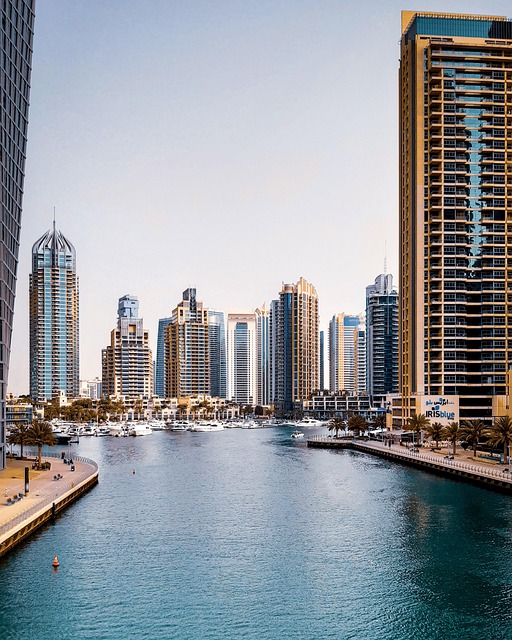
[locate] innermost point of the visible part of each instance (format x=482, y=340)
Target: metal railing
x=415, y=455
x=54, y=494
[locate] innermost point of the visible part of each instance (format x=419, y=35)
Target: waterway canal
x=250, y=534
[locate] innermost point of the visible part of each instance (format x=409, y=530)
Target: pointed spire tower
x=54, y=339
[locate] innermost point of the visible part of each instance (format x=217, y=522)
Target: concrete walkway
x=42, y=485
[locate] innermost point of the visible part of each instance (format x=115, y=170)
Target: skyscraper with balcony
x=16, y=31
x=187, y=349
x=127, y=362
x=297, y=344
x=218, y=364
x=263, y=354
x=455, y=212
x=344, y=349
x=160, y=358
x=382, y=337
x=53, y=309
x=242, y=358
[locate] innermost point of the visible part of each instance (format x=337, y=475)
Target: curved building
x=16, y=32
x=54, y=354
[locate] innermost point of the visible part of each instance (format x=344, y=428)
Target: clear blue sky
x=225, y=145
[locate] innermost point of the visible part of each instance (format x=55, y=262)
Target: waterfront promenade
x=50, y=492
x=463, y=465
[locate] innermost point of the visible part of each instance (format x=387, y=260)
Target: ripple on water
x=248, y=534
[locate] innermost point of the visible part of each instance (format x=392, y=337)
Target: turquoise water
x=249, y=534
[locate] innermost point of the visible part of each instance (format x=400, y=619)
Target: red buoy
x=55, y=562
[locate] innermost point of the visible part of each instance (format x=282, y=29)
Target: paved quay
x=47, y=495
x=464, y=465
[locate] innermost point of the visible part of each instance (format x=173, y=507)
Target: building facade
x=54, y=318
x=382, y=338
x=263, y=354
x=218, y=362
x=187, y=349
x=127, y=362
x=455, y=203
x=344, y=349
x=17, y=32
x=159, y=378
x=242, y=358
x=297, y=345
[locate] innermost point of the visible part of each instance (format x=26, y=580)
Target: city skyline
x=263, y=166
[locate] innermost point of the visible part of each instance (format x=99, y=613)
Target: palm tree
x=40, y=433
x=473, y=430
x=501, y=433
x=357, y=424
x=452, y=433
x=379, y=421
x=435, y=432
x=417, y=422
x=19, y=435
x=336, y=425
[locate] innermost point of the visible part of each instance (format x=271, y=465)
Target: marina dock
x=50, y=492
x=494, y=476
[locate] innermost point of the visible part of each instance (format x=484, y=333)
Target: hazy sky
x=230, y=146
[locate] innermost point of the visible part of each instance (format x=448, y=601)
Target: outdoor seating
x=9, y=502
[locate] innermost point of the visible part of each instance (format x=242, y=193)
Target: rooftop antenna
x=54, y=218
x=385, y=257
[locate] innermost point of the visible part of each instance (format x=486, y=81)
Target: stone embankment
x=493, y=477
x=50, y=492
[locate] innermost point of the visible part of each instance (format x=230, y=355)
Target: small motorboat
x=297, y=434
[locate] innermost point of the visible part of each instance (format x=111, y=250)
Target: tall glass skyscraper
x=160, y=357
x=16, y=31
x=382, y=337
x=242, y=358
x=455, y=214
x=53, y=291
x=218, y=363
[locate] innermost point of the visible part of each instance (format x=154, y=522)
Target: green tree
x=452, y=433
x=39, y=434
x=18, y=434
x=435, y=432
x=417, y=423
x=379, y=422
x=336, y=425
x=473, y=431
x=357, y=424
x=501, y=433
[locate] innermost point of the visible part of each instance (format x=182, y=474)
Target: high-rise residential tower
x=297, y=358
x=160, y=358
x=263, y=354
x=16, y=31
x=322, y=360
x=127, y=363
x=344, y=346
x=242, y=358
x=187, y=349
x=54, y=342
x=218, y=364
x=382, y=337
x=455, y=213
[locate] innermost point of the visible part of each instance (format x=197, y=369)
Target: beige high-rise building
x=127, y=363
x=186, y=349
x=297, y=357
x=455, y=215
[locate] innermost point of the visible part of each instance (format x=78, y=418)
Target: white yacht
x=156, y=425
x=309, y=422
x=117, y=429
x=211, y=425
x=179, y=425
x=140, y=429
